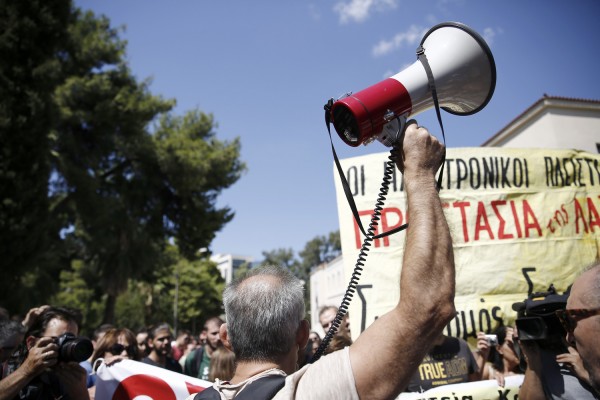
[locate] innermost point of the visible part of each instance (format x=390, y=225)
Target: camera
x=492, y=340
x=73, y=348
x=536, y=319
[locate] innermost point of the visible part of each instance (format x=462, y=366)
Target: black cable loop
x=362, y=256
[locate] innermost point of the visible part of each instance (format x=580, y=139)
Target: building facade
x=555, y=123
x=229, y=263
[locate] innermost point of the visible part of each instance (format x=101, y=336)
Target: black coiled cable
x=362, y=255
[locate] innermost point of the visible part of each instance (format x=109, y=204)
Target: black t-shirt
x=451, y=362
x=170, y=364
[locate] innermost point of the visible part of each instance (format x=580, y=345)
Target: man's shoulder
x=329, y=378
x=172, y=365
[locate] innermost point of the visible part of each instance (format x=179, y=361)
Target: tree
x=127, y=191
x=319, y=250
x=282, y=257
x=32, y=33
x=97, y=170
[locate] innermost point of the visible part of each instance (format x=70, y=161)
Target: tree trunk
x=109, y=310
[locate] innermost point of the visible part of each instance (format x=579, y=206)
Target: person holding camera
x=496, y=355
x=581, y=320
x=48, y=366
x=542, y=340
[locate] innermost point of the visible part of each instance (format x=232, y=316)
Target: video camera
x=536, y=319
x=73, y=348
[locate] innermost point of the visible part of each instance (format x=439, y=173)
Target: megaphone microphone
x=462, y=73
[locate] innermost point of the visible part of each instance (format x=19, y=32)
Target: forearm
x=403, y=335
x=426, y=299
x=427, y=282
x=13, y=383
x=532, y=388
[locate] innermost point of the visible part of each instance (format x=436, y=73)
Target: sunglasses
x=117, y=349
x=569, y=318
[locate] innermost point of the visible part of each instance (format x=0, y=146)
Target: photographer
x=542, y=341
x=43, y=370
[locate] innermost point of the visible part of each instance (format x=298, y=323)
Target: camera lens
x=72, y=348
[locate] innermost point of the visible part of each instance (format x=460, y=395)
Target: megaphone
x=462, y=74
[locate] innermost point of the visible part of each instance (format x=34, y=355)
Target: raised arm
x=386, y=355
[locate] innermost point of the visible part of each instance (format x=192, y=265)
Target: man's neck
x=208, y=350
x=158, y=358
x=246, y=370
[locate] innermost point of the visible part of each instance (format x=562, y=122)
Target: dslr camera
x=536, y=319
x=73, y=348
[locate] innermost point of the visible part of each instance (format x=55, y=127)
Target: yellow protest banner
x=521, y=219
x=488, y=390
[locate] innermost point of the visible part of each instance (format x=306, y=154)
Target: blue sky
x=265, y=69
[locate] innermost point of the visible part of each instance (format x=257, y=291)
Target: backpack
x=261, y=389
x=192, y=363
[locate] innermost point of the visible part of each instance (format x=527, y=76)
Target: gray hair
x=10, y=328
x=263, y=311
x=592, y=296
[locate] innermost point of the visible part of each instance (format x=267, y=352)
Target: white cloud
x=490, y=33
x=359, y=10
x=314, y=12
x=410, y=37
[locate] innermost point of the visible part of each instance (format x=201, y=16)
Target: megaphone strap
x=348, y=193
x=423, y=59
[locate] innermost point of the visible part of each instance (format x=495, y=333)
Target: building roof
x=544, y=102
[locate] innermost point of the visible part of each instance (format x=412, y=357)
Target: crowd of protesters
x=260, y=349
x=24, y=363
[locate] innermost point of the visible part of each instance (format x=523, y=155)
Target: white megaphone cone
x=464, y=72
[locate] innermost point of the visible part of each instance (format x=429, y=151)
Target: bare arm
x=41, y=356
x=532, y=388
x=386, y=355
x=481, y=356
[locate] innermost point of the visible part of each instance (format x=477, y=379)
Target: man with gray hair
x=581, y=319
x=266, y=329
x=12, y=334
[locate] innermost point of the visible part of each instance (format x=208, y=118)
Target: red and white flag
x=129, y=380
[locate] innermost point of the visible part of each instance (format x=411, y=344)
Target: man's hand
x=573, y=361
x=532, y=388
x=419, y=150
x=481, y=355
x=42, y=355
x=483, y=346
x=32, y=315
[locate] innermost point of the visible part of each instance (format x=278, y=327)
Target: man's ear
x=303, y=334
x=30, y=342
x=224, y=336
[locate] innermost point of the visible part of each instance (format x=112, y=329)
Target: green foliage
x=200, y=291
x=241, y=271
x=31, y=34
x=319, y=250
x=133, y=308
x=77, y=290
x=97, y=174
